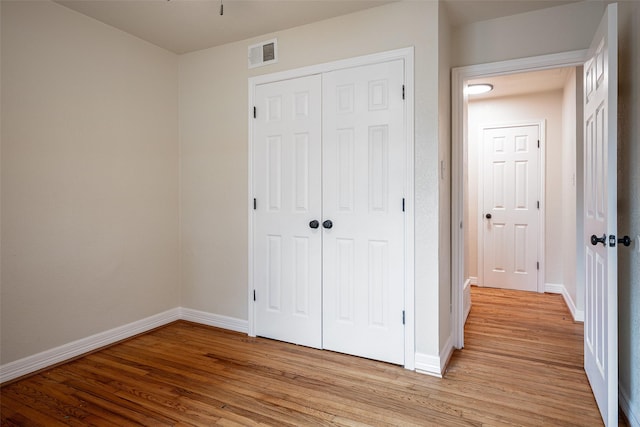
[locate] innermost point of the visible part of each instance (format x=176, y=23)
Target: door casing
x=459, y=100
x=407, y=55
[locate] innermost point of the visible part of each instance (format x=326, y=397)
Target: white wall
x=89, y=178
x=547, y=106
x=213, y=128
x=629, y=208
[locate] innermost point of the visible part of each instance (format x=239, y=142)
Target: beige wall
x=546, y=106
x=557, y=29
x=213, y=128
x=444, y=178
x=629, y=205
x=569, y=246
x=89, y=178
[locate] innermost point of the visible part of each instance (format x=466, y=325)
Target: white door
x=510, y=207
x=600, y=217
x=363, y=190
x=287, y=188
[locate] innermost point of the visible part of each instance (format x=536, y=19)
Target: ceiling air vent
x=264, y=53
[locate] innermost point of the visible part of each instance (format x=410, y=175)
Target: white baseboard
x=632, y=416
x=427, y=364
x=216, y=320
x=36, y=362
x=76, y=348
x=466, y=294
x=435, y=365
x=554, y=288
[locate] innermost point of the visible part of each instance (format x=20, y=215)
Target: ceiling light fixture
x=477, y=89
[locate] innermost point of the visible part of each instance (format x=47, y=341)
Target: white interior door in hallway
x=510, y=211
x=600, y=216
x=328, y=181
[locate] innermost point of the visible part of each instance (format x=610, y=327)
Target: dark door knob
x=488, y=216
x=327, y=224
x=314, y=224
x=595, y=239
x=626, y=240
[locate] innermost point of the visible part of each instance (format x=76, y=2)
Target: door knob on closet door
x=314, y=224
x=327, y=224
x=488, y=216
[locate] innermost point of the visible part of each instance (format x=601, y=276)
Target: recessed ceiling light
x=478, y=89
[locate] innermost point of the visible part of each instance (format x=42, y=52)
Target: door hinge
x=255, y=204
x=403, y=317
x=538, y=204
x=255, y=112
x=254, y=294
x=402, y=91
x=403, y=204
x=537, y=265
x=538, y=143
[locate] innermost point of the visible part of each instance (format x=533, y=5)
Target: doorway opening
x=465, y=210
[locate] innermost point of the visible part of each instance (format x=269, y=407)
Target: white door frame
x=459, y=78
x=542, y=134
x=406, y=54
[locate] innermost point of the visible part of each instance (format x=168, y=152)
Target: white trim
x=435, y=365
x=407, y=55
x=467, y=296
x=217, y=320
x=427, y=364
x=555, y=288
x=542, y=167
x=459, y=148
x=82, y=346
x=86, y=345
x=625, y=405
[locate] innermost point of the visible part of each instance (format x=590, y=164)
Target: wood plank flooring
x=522, y=365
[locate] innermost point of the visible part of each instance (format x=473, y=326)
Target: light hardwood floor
x=522, y=365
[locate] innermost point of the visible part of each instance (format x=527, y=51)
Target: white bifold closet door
x=330, y=149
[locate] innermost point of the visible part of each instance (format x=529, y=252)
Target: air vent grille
x=264, y=53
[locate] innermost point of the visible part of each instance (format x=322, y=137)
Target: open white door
x=600, y=216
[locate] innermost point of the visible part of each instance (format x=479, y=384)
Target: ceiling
x=522, y=83
x=188, y=25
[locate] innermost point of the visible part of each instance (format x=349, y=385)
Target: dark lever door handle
x=595, y=239
x=327, y=224
x=626, y=240
x=314, y=224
